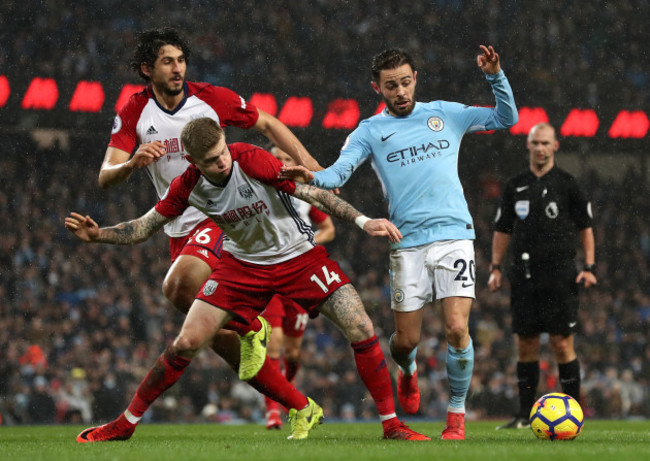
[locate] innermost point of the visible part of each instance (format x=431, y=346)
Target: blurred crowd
x=590, y=53
x=81, y=324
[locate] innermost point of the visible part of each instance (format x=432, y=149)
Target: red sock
x=372, y=368
x=270, y=382
x=241, y=328
x=290, y=369
x=166, y=371
x=270, y=403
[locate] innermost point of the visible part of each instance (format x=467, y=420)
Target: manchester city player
x=413, y=147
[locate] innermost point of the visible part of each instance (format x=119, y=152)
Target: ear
x=375, y=86
x=144, y=68
x=557, y=145
x=415, y=76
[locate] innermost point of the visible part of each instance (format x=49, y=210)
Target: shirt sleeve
x=263, y=166
x=317, y=216
x=353, y=153
x=503, y=115
x=176, y=198
x=124, y=134
x=580, y=206
x=232, y=109
x=505, y=217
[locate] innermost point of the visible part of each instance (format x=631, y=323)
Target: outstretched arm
x=126, y=233
x=339, y=208
x=504, y=114
x=278, y=133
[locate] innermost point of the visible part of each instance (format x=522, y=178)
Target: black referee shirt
x=543, y=215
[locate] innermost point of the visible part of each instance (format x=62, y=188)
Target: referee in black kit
x=543, y=209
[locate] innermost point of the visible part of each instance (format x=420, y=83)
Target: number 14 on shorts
x=328, y=276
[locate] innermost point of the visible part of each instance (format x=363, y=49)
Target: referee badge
x=210, y=287
x=522, y=208
x=552, y=210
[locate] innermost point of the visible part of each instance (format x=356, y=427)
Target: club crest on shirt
x=245, y=191
x=552, y=210
x=398, y=296
x=210, y=287
x=435, y=123
x=522, y=208
x=117, y=124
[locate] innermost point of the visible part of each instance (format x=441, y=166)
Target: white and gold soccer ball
x=556, y=416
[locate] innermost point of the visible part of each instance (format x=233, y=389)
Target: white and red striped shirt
x=142, y=119
x=254, y=208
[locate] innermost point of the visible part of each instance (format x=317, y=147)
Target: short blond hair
x=200, y=135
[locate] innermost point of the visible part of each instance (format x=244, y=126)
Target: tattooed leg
x=345, y=309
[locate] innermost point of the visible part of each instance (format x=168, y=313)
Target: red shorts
x=285, y=313
x=204, y=242
x=244, y=289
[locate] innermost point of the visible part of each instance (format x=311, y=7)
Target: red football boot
x=402, y=432
x=408, y=392
x=120, y=429
x=273, y=420
x=455, y=428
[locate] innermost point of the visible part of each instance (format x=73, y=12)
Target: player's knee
x=562, y=349
x=179, y=293
x=405, y=341
x=360, y=331
x=186, y=345
x=457, y=333
x=292, y=355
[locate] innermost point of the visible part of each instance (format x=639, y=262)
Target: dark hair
x=390, y=59
x=200, y=135
x=149, y=44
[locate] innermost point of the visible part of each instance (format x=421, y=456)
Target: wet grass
x=600, y=440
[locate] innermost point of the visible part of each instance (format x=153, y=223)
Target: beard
x=173, y=91
x=398, y=110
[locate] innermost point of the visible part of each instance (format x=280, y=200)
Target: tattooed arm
x=339, y=208
x=126, y=233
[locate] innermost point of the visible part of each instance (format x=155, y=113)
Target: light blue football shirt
x=416, y=159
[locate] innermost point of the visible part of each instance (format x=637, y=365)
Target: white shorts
x=447, y=266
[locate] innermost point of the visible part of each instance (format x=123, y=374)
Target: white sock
x=132, y=418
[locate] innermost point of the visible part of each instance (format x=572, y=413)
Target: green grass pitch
x=600, y=440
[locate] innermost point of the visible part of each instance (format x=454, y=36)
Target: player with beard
x=146, y=135
x=414, y=149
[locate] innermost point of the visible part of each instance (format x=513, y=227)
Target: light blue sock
x=460, y=366
x=406, y=362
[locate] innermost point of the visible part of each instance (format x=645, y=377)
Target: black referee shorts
x=547, y=302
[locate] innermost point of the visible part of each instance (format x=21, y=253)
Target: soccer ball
x=556, y=416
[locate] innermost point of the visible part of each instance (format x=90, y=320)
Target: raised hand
x=488, y=60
